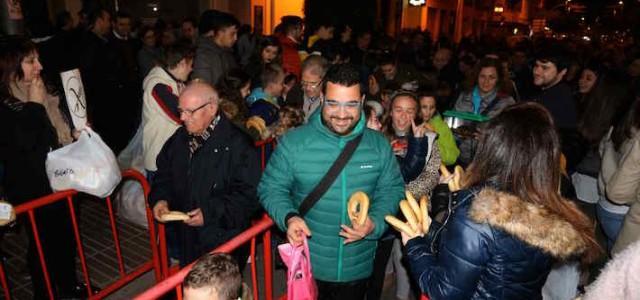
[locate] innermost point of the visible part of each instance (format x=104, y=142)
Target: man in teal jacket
x=341, y=253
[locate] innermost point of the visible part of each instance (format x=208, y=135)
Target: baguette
x=457, y=176
x=409, y=215
x=445, y=172
x=414, y=206
x=174, y=216
x=400, y=226
x=426, y=220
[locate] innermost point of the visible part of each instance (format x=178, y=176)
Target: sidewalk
x=102, y=260
x=97, y=243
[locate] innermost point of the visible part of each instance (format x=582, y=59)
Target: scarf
x=51, y=106
x=197, y=140
x=477, y=99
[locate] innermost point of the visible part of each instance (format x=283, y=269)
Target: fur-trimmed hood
x=530, y=223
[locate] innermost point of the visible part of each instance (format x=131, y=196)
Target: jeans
x=562, y=282
x=403, y=281
x=611, y=224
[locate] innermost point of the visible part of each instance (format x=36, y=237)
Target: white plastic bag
x=130, y=202
x=131, y=157
x=86, y=165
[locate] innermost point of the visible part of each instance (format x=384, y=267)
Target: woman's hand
x=406, y=237
x=452, y=180
x=37, y=91
x=418, y=131
x=445, y=179
x=77, y=132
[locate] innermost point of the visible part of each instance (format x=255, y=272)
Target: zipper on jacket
x=343, y=208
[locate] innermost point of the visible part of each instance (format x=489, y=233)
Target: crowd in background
x=133, y=74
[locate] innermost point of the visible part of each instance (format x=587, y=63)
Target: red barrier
x=263, y=225
x=153, y=264
x=175, y=280
x=264, y=147
x=263, y=150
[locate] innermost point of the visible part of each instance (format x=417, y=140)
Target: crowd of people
x=547, y=130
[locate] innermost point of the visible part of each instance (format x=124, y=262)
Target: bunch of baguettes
x=416, y=213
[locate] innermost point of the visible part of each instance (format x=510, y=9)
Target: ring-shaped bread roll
x=358, y=208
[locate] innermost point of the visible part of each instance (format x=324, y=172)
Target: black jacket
x=109, y=101
x=412, y=164
x=26, y=136
x=558, y=99
x=495, y=246
x=220, y=179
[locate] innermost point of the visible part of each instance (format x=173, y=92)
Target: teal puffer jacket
x=301, y=159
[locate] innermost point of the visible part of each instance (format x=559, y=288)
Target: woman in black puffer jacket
x=510, y=224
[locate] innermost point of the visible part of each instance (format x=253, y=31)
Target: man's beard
x=330, y=126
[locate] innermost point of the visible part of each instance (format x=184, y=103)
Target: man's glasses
x=334, y=105
x=312, y=85
x=190, y=112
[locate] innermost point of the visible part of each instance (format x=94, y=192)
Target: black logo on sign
x=62, y=172
x=78, y=104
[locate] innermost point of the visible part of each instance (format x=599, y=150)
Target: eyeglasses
x=333, y=104
x=190, y=112
x=312, y=85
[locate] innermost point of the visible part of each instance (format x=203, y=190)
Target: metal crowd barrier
x=174, y=282
x=154, y=263
x=266, y=147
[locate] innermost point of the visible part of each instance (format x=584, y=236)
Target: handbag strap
x=330, y=176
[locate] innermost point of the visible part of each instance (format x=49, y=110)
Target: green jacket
x=301, y=159
x=449, y=151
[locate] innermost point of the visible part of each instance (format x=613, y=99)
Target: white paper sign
x=76, y=99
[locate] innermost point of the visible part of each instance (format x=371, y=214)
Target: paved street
x=101, y=255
